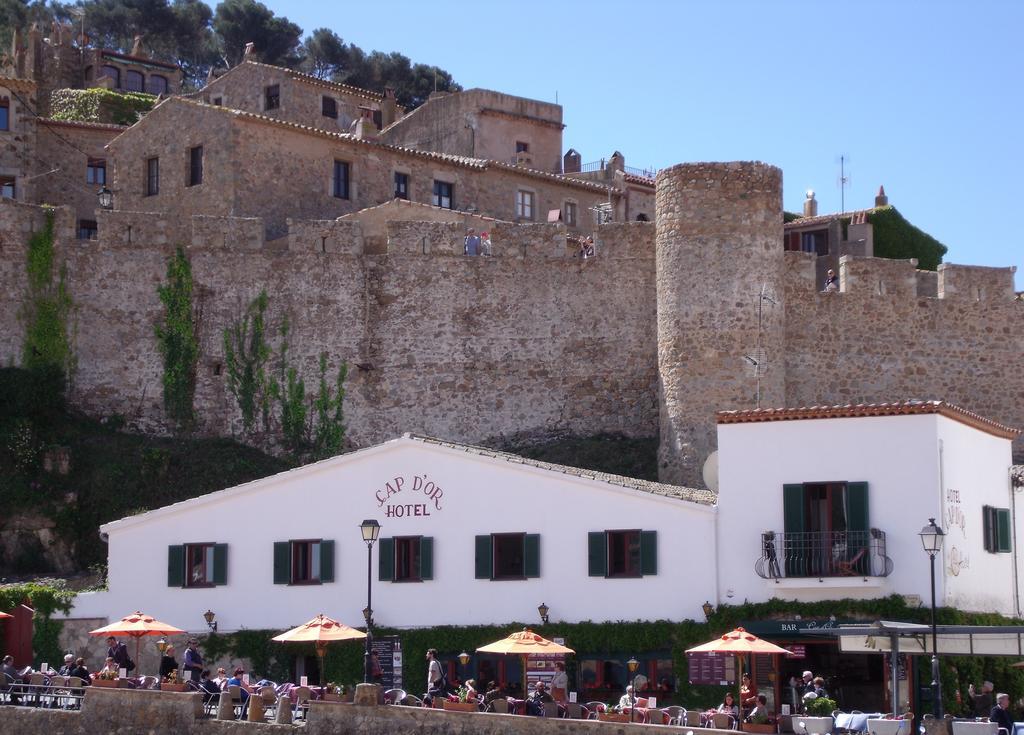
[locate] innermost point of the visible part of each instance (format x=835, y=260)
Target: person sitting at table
x=537, y=699
x=221, y=678
x=109, y=670
x=472, y=695
x=238, y=681
x=728, y=706
x=69, y=664
x=11, y=676
x=627, y=700
x=493, y=693
x=81, y=671
x=819, y=687
x=1001, y=713
x=168, y=663
x=748, y=693
x=759, y=714
x=208, y=686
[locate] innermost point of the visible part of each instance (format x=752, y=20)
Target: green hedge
x=896, y=238
x=100, y=105
x=344, y=661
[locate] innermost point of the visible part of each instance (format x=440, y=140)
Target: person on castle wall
x=472, y=246
x=587, y=247
x=485, y=244
x=831, y=282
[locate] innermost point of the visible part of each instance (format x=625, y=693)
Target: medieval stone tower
x=719, y=299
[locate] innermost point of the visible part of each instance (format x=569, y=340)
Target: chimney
x=364, y=128
x=250, y=52
x=617, y=162
x=810, y=204
x=881, y=200
x=137, y=49
x=572, y=162
x=388, y=108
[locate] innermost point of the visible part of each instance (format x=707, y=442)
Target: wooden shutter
x=648, y=552
x=282, y=562
x=597, y=553
x=531, y=555
x=484, y=558
x=220, y=563
x=857, y=506
x=326, y=561
x=176, y=566
x=1002, y=529
x=426, y=557
x=386, y=559
x=793, y=508
x=988, y=527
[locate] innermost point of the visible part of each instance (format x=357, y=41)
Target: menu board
x=388, y=649
x=712, y=668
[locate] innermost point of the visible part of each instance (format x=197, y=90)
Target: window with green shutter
x=483, y=554
x=531, y=555
x=426, y=558
x=996, y=529
x=220, y=564
x=508, y=556
x=326, y=561
x=622, y=553
x=648, y=553
x=176, y=566
x=282, y=562
x=597, y=553
x=386, y=559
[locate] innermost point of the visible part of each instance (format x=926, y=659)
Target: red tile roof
x=824, y=219
x=860, y=410
x=82, y=124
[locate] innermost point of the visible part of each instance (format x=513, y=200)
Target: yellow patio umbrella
x=739, y=643
x=136, y=626
x=524, y=643
x=320, y=631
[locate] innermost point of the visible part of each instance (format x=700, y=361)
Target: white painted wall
x=975, y=473
x=481, y=495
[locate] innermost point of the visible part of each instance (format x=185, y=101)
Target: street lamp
x=543, y=610
x=632, y=665
x=370, y=530
x=463, y=659
x=931, y=539
x=708, y=609
x=106, y=197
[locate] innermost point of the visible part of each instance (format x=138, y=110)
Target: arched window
x=112, y=72
x=87, y=74
x=134, y=81
x=5, y=113
x=157, y=84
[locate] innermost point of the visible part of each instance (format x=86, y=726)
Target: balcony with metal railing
x=821, y=554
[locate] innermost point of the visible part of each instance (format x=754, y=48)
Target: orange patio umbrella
x=135, y=626
x=739, y=643
x=524, y=643
x=5, y=615
x=321, y=630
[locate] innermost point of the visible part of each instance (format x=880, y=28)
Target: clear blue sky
x=926, y=98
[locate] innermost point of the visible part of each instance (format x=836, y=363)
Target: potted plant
x=464, y=704
x=817, y=719
x=170, y=683
x=759, y=722
x=332, y=692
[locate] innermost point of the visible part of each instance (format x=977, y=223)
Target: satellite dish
x=710, y=471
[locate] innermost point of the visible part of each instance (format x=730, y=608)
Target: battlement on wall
x=865, y=277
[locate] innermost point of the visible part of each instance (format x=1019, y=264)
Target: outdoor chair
x=302, y=696
x=394, y=696
x=888, y=727
x=270, y=700
x=656, y=717
x=550, y=709
x=596, y=707
x=723, y=721
x=410, y=700
x=693, y=718
x=675, y=714
x=573, y=711
x=975, y=728
x=500, y=706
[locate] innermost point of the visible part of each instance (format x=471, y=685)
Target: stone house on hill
x=187, y=157
x=292, y=96
x=481, y=123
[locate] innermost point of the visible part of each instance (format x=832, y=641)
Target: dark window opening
x=5, y=113
x=218, y=101
x=96, y=171
x=156, y=84
x=199, y=565
x=522, y=147
x=87, y=229
x=624, y=553
x=341, y=174
x=444, y=195
x=407, y=559
x=152, y=176
x=112, y=72
x=305, y=562
x=272, y=97
x=401, y=186
x=642, y=218
x=329, y=107
x=509, y=555
x=569, y=214
x=134, y=81
x=808, y=242
x=7, y=187
x=195, y=165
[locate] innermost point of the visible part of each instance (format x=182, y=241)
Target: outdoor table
x=1018, y=728
x=855, y=722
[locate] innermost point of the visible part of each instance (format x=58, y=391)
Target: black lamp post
x=210, y=617
x=931, y=538
x=543, y=610
x=370, y=530
x=106, y=197
x=632, y=665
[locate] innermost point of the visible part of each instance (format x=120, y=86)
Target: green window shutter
x=597, y=554
x=426, y=558
x=282, y=562
x=1002, y=529
x=857, y=506
x=326, y=561
x=793, y=508
x=648, y=552
x=220, y=563
x=484, y=559
x=988, y=527
x=531, y=555
x=386, y=559
x=175, y=566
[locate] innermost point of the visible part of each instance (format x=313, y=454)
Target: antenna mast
x=844, y=181
x=759, y=360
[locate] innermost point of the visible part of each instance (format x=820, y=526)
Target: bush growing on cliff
x=47, y=307
x=178, y=341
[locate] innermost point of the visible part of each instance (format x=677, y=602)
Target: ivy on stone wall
x=896, y=238
x=246, y=353
x=178, y=341
x=47, y=307
x=45, y=597
x=100, y=105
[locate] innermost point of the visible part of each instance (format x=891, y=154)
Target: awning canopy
x=916, y=638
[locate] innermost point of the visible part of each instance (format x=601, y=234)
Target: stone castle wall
x=534, y=340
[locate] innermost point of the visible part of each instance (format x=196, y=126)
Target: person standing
x=118, y=652
x=472, y=246
x=435, y=675
x=168, y=663
x=560, y=683
x=831, y=282
x=193, y=661
x=748, y=693
x=981, y=702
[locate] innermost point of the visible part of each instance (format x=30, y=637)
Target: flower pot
x=462, y=706
x=108, y=683
x=331, y=697
x=812, y=725
x=173, y=686
x=762, y=728
x=614, y=717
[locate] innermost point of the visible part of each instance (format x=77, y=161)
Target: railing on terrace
x=594, y=166
x=823, y=554
x=647, y=173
